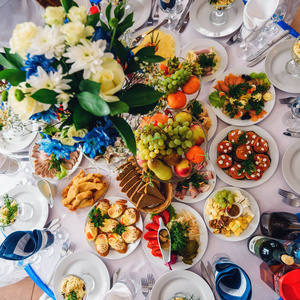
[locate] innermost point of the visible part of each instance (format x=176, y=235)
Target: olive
x=246, y=116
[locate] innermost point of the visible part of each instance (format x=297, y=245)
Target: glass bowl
x=293, y=66
x=219, y=15
x=180, y=295
x=63, y=284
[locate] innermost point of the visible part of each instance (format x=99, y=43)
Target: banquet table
x=265, y=194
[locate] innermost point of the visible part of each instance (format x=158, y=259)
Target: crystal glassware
x=278, y=16
x=179, y=8
x=293, y=66
x=219, y=15
x=292, y=118
x=169, y=6
x=243, y=50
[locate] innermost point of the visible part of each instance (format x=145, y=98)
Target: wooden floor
x=25, y=289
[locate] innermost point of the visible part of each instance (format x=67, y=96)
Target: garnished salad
x=242, y=96
x=8, y=211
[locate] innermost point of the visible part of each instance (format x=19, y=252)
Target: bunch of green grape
x=224, y=198
x=163, y=139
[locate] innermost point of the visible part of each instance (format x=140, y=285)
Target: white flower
x=48, y=41
x=51, y=81
x=87, y=56
x=54, y=15
x=111, y=77
x=21, y=38
x=77, y=14
x=75, y=31
x=28, y=106
x=63, y=98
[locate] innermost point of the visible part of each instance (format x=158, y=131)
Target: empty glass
x=179, y=8
x=243, y=50
x=292, y=118
x=293, y=66
x=131, y=281
x=278, y=16
x=219, y=15
x=9, y=165
x=169, y=6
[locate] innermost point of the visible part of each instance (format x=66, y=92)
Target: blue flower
x=46, y=116
x=52, y=146
x=35, y=61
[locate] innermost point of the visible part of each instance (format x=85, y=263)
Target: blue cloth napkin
x=232, y=282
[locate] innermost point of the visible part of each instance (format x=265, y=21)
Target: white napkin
x=118, y=292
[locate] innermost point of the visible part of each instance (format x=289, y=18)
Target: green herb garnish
x=215, y=100
x=248, y=165
x=255, y=105
x=50, y=130
x=72, y=296
x=236, y=91
x=55, y=163
x=242, y=139
x=196, y=109
x=9, y=216
x=196, y=179
x=171, y=211
x=179, y=236
x=96, y=217
x=119, y=229
x=206, y=60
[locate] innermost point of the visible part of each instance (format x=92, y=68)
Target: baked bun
x=101, y=244
x=103, y=205
x=90, y=231
x=117, y=243
x=131, y=234
x=117, y=209
x=108, y=225
x=130, y=216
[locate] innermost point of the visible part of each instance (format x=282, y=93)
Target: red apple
x=184, y=168
x=142, y=163
x=198, y=134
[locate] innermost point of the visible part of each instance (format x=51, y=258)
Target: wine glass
x=293, y=66
x=244, y=49
x=219, y=15
x=179, y=8
x=292, y=118
x=169, y=7
x=279, y=14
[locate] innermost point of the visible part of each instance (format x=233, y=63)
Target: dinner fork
x=288, y=194
x=156, y=13
x=291, y=202
x=151, y=281
x=150, y=19
x=235, y=37
x=145, y=287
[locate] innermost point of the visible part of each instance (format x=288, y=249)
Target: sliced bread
x=151, y=190
x=146, y=201
x=129, y=183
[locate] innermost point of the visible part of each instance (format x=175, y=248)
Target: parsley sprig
x=72, y=296
x=96, y=217
x=12, y=209
x=196, y=179
x=179, y=236
x=119, y=229
x=196, y=109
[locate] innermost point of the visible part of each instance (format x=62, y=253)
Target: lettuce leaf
x=215, y=99
x=63, y=172
x=261, y=76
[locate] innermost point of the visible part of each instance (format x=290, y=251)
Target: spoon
x=165, y=249
x=46, y=189
x=141, y=37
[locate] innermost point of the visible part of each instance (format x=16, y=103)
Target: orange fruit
x=192, y=86
x=195, y=155
x=176, y=100
x=164, y=68
x=159, y=117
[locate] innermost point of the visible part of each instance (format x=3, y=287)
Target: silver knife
x=269, y=45
x=292, y=134
x=287, y=100
x=212, y=279
x=51, y=223
x=185, y=22
x=207, y=279
x=115, y=276
x=183, y=15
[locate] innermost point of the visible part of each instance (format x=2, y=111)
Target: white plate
x=252, y=225
x=200, y=11
x=245, y=183
x=206, y=44
x=275, y=63
x=290, y=166
x=113, y=254
x=69, y=172
x=238, y=122
x=165, y=30
x=179, y=265
x=188, y=199
x=79, y=263
x=181, y=281
x=31, y=195
x=14, y=143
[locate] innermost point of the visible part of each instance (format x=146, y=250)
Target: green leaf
x=93, y=104
x=90, y=86
x=104, y=26
x=124, y=25
x=118, y=107
x=261, y=76
x=148, y=54
x=143, y=110
x=120, y=51
x=107, y=11
x=140, y=95
x=119, y=11
x=67, y=4
x=45, y=96
x=5, y=63
x=15, y=58
x=13, y=76
x=81, y=117
x=126, y=133
x=132, y=66
x=215, y=100
x=92, y=20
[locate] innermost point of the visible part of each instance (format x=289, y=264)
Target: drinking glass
x=219, y=258
x=179, y=8
x=219, y=15
x=169, y=6
x=292, y=118
x=131, y=281
x=278, y=16
x=293, y=66
x=243, y=50
x=9, y=165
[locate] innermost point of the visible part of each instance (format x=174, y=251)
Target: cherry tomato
x=156, y=252
x=166, y=216
x=150, y=235
x=152, y=244
x=155, y=219
x=152, y=226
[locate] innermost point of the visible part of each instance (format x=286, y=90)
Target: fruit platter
x=242, y=96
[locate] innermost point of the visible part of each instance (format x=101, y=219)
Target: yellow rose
x=28, y=106
x=21, y=38
x=54, y=15
x=111, y=77
x=77, y=14
x=75, y=31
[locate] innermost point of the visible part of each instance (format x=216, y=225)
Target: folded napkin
x=118, y=292
x=232, y=283
x=21, y=244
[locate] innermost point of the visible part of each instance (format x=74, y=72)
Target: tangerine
x=177, y=100
x=195, y=154
x=192, y=86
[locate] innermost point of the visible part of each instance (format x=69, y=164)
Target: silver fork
x=235, y=37
x=151, y=281
x=145, y=287
x=156, y=13
x=291, y=202
x=287, y=194
x=150, y=19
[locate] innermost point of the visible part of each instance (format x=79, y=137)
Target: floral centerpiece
x=75, y=70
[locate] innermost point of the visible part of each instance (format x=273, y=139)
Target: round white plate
x=113, y=254
x=31, y=195
x=200, y=11
x=275, y=62
x=179, y=265
x=252, y=225
x=238, y=122
x=181, y=281
x=245, y=183
x=79, y=263
x=290, y=166
x=188, y=199
x=13, y=143
x=206, y=44
x=165, y=30
x=69, y=172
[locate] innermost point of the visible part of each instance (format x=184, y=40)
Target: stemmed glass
x=279, y=14
x=179, y=8
x=169, y=7
x=219, y=15
x=244, y=48
x=292, y=118
x=293, y=66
